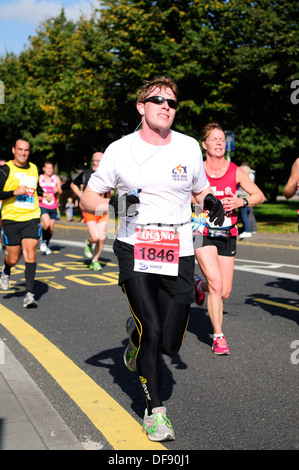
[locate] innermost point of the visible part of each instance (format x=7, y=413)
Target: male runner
x=20, y=216
x=154, y=246
x=97, y=224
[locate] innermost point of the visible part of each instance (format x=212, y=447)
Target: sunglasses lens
x=172, y=104
x=160, y=100
x=156, y=99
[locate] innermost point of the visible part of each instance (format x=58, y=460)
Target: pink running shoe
x=220, y=347
x=199, y=296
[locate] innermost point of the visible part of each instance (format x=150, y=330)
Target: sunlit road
x=73, y=344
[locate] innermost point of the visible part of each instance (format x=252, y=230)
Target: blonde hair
x=157, y=82
x=206, y=131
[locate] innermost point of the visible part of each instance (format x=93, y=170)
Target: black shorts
x=51, y=212
x=225, y=246
x=14, y=232
x=180, y=288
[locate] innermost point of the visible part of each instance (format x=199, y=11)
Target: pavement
x=273, y=239
x=28, y=421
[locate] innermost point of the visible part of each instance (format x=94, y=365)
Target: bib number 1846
x=157, y=251
x=153, y=254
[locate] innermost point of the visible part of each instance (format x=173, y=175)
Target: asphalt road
x=248, y=400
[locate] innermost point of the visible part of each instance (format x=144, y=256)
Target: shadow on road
x=128, y=382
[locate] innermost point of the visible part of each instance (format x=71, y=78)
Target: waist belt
x=219, y=231
x=159, y=224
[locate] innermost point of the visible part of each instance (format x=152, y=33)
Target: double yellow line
x=118, y=427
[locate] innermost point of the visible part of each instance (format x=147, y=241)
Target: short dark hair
x=21, y=138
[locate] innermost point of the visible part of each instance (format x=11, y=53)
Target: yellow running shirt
x=25, y=207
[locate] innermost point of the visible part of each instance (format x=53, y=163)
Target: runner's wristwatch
x=245, y=202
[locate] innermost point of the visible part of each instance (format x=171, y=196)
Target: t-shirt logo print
x=179, y=173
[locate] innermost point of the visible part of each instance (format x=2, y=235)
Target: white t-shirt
x=166, y=174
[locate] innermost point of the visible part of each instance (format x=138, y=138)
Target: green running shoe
x=95, y=266
x=131, y=350
x=88, y=253
x=157, y=426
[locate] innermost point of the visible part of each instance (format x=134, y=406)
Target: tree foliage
x=73, y=90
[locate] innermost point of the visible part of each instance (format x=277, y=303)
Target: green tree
x=69, y=94
x=12, y=114
x=54, y=94
x=260, y=69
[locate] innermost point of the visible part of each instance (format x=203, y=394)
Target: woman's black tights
x=161, y=324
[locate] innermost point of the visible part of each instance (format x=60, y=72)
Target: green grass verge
x=280, y=217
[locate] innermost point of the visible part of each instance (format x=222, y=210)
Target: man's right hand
x=122, y=205
x=20, y=191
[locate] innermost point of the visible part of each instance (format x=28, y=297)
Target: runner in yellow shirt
x=19, y=192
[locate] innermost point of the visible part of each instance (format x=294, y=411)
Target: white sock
x=219, y=335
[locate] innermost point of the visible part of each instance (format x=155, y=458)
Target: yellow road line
x=277, y=304
x=119, y=428
x=70, y=227
x=77, y=227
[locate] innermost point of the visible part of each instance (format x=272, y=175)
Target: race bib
x=157, y=251
x=26, y=201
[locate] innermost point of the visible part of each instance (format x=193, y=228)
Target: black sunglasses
x=160, y=100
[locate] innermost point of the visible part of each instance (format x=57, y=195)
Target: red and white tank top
x=48, y=186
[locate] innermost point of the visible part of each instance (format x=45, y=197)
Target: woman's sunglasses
x=160, y=100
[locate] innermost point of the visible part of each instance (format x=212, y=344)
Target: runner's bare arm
x=93, y=202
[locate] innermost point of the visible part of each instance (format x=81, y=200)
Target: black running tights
x=161, y=324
